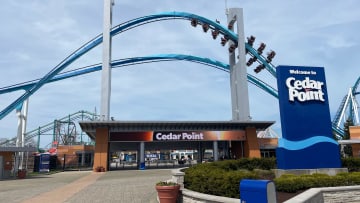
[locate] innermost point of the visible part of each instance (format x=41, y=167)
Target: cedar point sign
x=307, y=141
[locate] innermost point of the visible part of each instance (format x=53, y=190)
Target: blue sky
x=37, y=35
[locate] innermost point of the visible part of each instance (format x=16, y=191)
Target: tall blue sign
x=307, y=141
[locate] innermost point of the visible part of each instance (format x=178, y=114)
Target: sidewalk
x=85, y=186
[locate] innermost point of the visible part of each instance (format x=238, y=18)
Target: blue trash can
x=142, y=166
x=257, y=191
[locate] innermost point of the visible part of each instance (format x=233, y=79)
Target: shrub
x=166, y=183
x=223, y=178
x=352, y=163
x=292, y=183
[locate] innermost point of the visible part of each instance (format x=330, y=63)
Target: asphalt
x=128, y=186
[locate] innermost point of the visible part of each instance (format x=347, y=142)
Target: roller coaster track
x=121, y=28
x=55, y=74
x=80, y=115
x=120, y=63
x=348, y=103
x=139, y=60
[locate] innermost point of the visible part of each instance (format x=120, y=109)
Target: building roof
x=18, y=149
x=120, y=126
x=351, y=141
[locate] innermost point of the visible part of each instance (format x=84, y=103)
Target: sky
x=37, y=35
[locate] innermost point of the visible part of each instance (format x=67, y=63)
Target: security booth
x=137, y=143
x=12, y=159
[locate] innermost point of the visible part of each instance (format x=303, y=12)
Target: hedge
x=293, y=183
x=222, y=178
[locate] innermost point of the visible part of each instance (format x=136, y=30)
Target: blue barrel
x=142, y=166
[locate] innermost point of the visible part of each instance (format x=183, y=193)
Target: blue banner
x=307, y=141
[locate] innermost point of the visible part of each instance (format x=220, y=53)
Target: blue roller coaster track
x=121, y=28
x=138, y=60
x=347, y=104
x=56, y=73
x=115, y=64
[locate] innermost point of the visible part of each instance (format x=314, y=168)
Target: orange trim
x=101, y=148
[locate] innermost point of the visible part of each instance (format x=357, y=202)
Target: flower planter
x=21, y=174
x=168, y=193
x=100, y=169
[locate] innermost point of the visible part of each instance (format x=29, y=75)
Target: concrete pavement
x=128, y=186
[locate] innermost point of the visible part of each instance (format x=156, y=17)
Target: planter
x=100, y=169
x=21, y=174
x=167, y=193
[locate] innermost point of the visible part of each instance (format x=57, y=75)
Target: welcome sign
x=307, y=141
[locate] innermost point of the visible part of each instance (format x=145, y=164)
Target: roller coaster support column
x=142, y=156
x=238, y=72
x=106, y=67
x=20, y=141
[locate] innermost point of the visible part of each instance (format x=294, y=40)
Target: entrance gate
x=125, y=155
x=148, y=140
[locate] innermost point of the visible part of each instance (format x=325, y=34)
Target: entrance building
x=137, y=142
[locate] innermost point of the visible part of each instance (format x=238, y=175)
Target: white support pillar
x=142, y=156
x=238, y=71
x=24, y=117
x=355, y=108
x=23, y=130
x=83, y=158
x=216, y=150
x=19, y=131
x=106, y=66
x=20, y=140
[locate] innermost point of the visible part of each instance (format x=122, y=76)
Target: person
x=189, y=158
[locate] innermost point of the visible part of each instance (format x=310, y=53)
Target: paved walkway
x=132, y=186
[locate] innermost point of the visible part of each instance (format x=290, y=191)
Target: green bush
x=292, y=183
x=222, y=178
x=352, y=163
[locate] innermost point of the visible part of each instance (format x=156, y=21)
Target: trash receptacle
x=257, y=191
